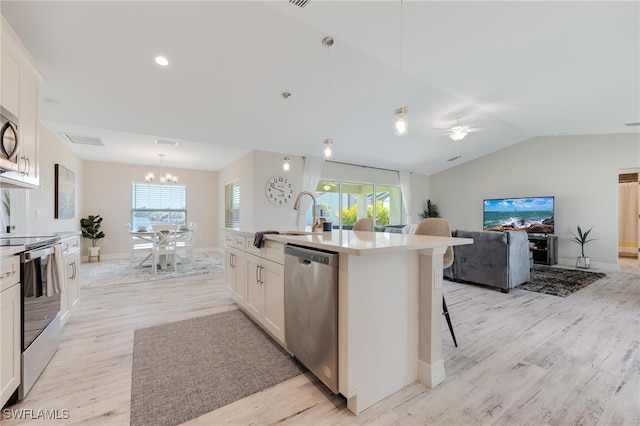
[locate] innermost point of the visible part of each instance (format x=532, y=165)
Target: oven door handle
x=30, y=255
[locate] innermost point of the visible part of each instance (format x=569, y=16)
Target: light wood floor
x=524, y=358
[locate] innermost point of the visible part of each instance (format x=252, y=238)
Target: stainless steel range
x=40, y=295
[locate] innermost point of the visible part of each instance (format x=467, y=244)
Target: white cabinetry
x=234, y=269
x=71, y=292
x=9, y=327
x=19, y=95
x=256, y=279
x=265, y=294
x=10, y=94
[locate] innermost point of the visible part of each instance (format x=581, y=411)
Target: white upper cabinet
x=19, y=96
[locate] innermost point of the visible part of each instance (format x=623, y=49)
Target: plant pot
x=94, y=252
x=583, y=262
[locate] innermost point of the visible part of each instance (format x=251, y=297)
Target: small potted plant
x=582, y=238
x=91, y=230
x=430, y=210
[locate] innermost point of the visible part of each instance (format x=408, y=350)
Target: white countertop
x=359, y=242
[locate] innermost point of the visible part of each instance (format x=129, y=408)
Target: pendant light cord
x=401, y=44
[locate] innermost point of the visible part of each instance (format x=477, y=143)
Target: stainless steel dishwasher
x=311, y=310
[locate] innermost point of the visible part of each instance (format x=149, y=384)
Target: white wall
x=41, y=202
x=580, y=171
x=107, y=192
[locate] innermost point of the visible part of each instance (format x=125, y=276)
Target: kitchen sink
x=297, y=232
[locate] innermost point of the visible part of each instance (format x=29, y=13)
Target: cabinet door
x=74, y=281
x=255, y=289
x=230, y=271
x=65, y=308
x=10, y=94
x=273, y=284
x=29, y=127
x=9, y=342
x=240, y=292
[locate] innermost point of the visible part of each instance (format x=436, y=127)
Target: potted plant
x=430, y=210
x=91, y=230
x=582, y=238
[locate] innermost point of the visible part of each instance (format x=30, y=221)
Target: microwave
x=9, y=142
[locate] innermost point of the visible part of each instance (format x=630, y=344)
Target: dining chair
x=363, y=224
x=185, y=244
x=164, y=244
x=440, y=228
x=137, y=245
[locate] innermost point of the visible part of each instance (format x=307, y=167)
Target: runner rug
x=185, y=369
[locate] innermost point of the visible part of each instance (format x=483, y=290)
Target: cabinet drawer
x=273, y=251
x=250, y=248
x=238, y=241
x=9, y=272
x=228, y=239
x=70, y=245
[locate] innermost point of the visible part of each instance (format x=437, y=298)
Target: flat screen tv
x=531, y=214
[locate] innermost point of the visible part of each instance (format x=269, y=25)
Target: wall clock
x=279, y=190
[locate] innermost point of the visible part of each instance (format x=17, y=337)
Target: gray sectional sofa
x=498, y=259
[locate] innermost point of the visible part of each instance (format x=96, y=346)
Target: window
x=342, y=203
x=232, y=205
x=152, y=202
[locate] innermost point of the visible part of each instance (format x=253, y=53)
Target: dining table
x=147, y=236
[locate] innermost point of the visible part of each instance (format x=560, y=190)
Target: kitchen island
x=389, y=307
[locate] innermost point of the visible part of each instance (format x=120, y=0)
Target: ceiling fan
x=457, y=132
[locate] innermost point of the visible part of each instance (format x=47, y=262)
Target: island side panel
x=377, y=326
x=431, y=364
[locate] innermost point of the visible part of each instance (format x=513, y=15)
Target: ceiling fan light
x=401, y=121
x=458, y=133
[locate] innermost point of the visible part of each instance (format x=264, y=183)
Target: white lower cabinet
x=235, y=272
x=9, y=328
x=265, y=294
x=255, y=278
x=70, y=295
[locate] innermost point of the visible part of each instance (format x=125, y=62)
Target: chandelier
x=164, y=178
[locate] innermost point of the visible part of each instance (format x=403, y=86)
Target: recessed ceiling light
x=162, y=61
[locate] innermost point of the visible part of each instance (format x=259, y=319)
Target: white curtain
x=312, y=170
x=628, y=218
x=405, y=187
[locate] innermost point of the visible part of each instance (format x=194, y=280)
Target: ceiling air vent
x=163, y=142
x=631, y=124
x=84, y=140
x=300, y=3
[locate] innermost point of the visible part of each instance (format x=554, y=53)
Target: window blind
x=232, y=205
x=149, y=196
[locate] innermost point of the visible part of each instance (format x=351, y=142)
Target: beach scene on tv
x=534, y=215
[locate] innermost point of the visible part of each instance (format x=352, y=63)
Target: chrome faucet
x=296, y=206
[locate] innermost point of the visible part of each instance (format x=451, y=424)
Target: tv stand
x=544, y=248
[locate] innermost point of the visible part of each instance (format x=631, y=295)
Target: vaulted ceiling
x=509, y=70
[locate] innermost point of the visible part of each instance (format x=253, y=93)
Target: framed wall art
x=65, y=195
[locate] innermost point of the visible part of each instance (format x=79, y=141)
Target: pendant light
x=328, y=143
x=400, y=114
x=286, y=165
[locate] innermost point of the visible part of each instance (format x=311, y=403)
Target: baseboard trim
x=431, y=374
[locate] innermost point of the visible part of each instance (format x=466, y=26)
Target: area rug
x=185, y=369
x=114, y=272
x=559, y=281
